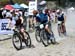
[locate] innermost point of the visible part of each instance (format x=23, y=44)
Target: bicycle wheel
x=59, y=29
x=37, y=35
x=44, y=38
x=64, y=29
x=53, y=40
x=17, y=41
x=28, y=40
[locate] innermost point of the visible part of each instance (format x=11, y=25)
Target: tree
x=11, y=2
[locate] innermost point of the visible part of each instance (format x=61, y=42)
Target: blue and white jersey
x=41, y=17
x=60, y=16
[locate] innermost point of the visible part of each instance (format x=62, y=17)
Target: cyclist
x=49, y=28
x=49, y=20
x=19, y=24
x=61, y=18
x=42, y=18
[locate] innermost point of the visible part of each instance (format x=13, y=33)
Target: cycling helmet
x=35, y=12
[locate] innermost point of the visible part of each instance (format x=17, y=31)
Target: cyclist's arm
x=49, y=18
x=64, y=19
x=22, y=20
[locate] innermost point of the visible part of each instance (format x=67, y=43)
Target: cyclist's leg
x=25, y=23
x=59, y=29
x=50, y=26
x=64, y=29
x=22, y=31
x=48, y=29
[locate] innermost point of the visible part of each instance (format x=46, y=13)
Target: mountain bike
x=61, y=28
x=43, y=36
x=18, y=38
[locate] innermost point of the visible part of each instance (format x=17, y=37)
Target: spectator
x=1, y=16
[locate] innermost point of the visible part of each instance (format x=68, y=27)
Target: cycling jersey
x=18, y=20
x=60, y=17
x=42, y=18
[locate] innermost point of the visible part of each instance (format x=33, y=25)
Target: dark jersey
x=60, y=17
x=18, y=22
x=42, y=18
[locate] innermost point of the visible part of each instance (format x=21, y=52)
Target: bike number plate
x=59, y=22
x=41, y=26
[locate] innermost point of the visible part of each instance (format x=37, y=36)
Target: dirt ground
x=66, y=46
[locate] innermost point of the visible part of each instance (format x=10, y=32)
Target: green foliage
x=4, y=2
x=20, y=1
x=50, y=0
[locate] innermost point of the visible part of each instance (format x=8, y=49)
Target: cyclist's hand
x=64, y=18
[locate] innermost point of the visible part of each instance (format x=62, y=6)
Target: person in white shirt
x=52, y=16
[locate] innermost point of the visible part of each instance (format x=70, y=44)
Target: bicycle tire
x=28, y=40
x=44, y=38
x=19, y=37
x=53, y=40
x=37, y=35
x=59, y=28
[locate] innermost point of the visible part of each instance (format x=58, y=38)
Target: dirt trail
x=66, y=46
